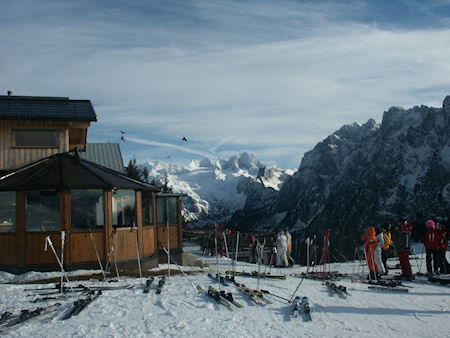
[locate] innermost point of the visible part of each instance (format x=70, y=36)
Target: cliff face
x=365, y=174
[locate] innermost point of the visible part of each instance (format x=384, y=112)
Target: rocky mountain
x=362, y=175
x=216, y=189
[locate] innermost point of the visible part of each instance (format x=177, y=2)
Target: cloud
x=272, y=78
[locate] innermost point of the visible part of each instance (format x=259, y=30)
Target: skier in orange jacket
x=371, y=242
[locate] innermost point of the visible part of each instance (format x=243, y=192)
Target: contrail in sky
x=170, y=145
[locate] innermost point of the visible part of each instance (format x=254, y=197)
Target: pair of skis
x=333, y=288
x=256, y=296
x=255, y=274
x=221, y=297
x=9, y=321
x=149, y=283
x=301, y=306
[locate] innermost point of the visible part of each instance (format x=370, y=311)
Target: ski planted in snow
x=80, y=304
x=148, y=284
x=161, y=283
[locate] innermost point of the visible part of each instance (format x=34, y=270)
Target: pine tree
x=132, y=170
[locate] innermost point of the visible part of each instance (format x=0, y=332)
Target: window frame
x=31, y=130
x=10, y=222
x=124, y=215
x=95, y=227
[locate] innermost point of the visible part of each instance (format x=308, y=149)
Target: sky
x=272, y=78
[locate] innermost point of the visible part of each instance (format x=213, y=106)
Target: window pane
x=42, y=211
x=87, y=209
x=124, y=208
x=161, y=204
x=173, y=210
x=35, y=138
x=147, y=208
x=7, y=211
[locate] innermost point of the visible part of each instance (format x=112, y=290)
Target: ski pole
x=49, y=241
x=96, y=253
x=137, y=249
x=270, y=293
x=63, y=237
x=237, y=253
x=179, y=268
x=301, y=281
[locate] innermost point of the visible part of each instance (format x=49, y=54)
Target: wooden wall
x=82, y=249
x=27, y=248
x=13, y=157
x=173, y=236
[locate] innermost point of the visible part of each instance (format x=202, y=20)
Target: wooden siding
x=148, y=246
x=34, y=248
x=13, y=157
x=8, y=253
x=125, y=244
x=81, y=247
x=173, y=236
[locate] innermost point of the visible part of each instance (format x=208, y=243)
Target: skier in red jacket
x=402, y=240
x=432, y=242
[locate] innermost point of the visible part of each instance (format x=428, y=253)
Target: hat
x=430, y=224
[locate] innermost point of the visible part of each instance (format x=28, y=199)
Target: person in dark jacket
x=432, y=244
x=443, y=240
x=402, y=241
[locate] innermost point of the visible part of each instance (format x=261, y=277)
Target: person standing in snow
x=289, y=246
x=432, y=244
x=443, y=239
x=386, y=230
x=281, y=249
x=378, y=250
x=402, y=240
x=371, y=242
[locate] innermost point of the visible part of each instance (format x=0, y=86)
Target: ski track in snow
x=179, y=311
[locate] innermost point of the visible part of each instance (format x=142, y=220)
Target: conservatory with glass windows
x=96, y=207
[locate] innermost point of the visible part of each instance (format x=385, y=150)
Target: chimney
x=9, y=92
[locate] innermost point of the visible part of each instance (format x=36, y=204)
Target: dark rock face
x=362, y=175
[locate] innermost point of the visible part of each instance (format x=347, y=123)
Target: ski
x=306, y=309
x=387, y=288
x=222, y=279
x=148, y=284
x=337, y=289
x=26, y=316
x=227, y=296
x=440, y=280
x=161, y=283
x=255, y=274
x=80, y=304
x=83, y=288
x=214, y=296
x=296, y=308
x=255, y=295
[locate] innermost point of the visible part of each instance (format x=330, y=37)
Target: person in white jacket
x=281, y=249
x=377, y=253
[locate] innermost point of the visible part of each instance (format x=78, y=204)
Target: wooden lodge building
x=46, y=187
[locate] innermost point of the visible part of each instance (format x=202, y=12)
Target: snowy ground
x=180, y=311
